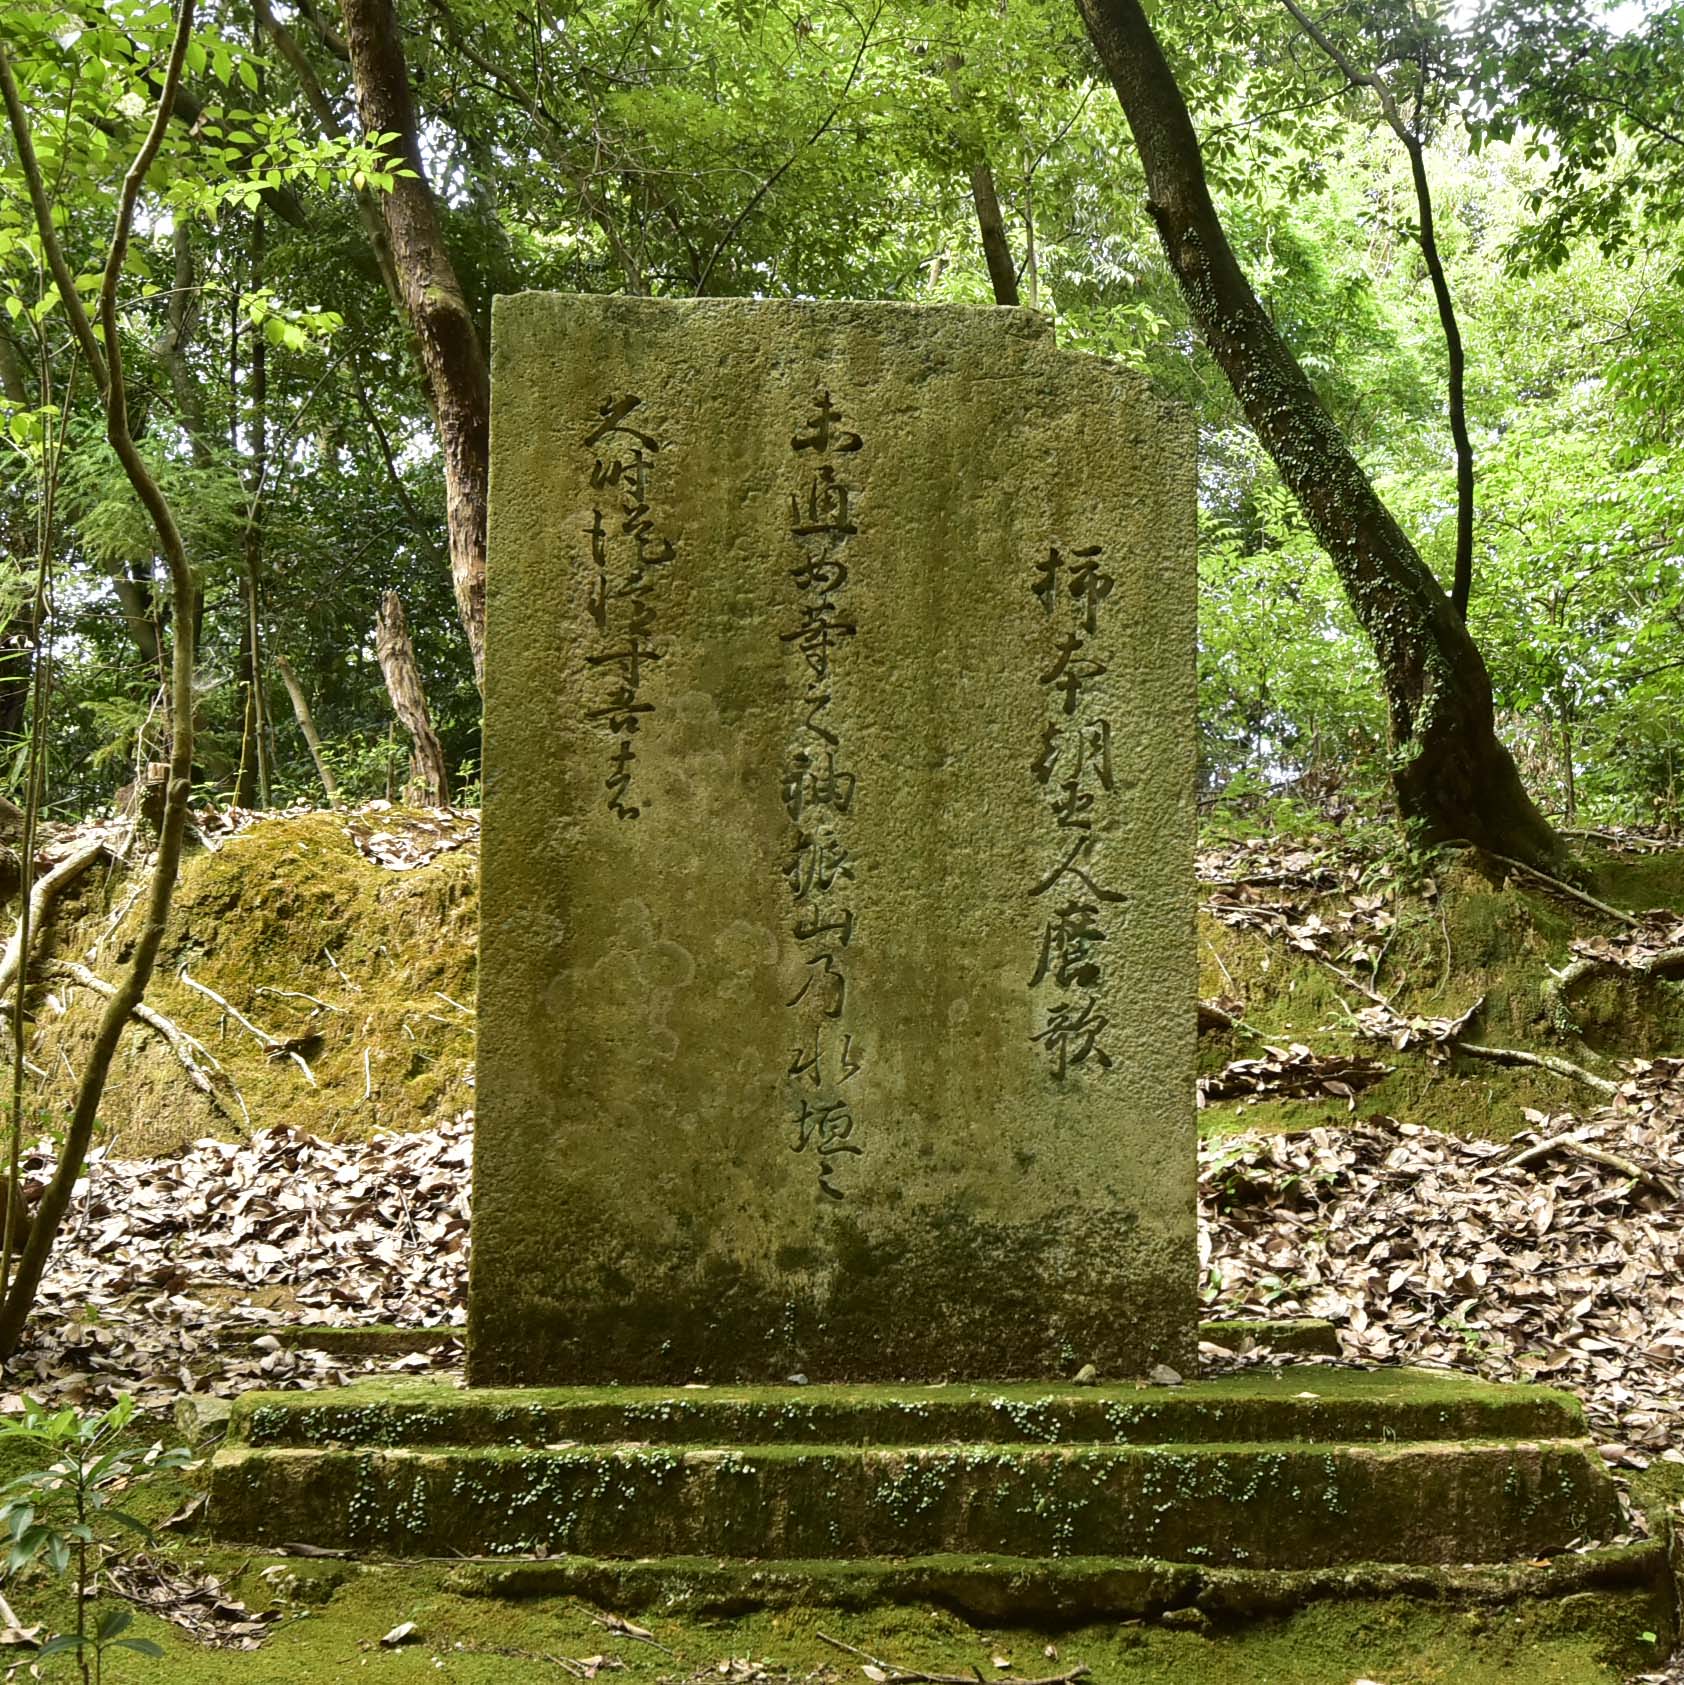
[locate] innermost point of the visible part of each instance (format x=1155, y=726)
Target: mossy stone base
x=1052, y=1592
x=1294, y=1472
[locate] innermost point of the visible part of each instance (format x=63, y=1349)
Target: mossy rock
x=388, y=1035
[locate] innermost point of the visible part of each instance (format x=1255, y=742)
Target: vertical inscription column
x=818, y=793
x=1073, y=766
x=625, y=549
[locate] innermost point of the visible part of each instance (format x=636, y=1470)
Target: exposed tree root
x=274, y=1046
x=187, y=1048
x=1665, y=962
x=1544, y=1061
x=1565, y=888
x=42, y=900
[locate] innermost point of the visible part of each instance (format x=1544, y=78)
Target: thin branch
x=1567, y=889
x=107, y=361
x=1455, y=354
x=1543, y=1061
x=914, y=1676
x=778, y=174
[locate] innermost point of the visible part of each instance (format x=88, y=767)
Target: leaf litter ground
x=1556, y=1257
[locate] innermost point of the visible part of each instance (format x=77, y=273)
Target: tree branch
x=108, y=367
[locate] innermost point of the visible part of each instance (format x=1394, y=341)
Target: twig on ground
x=297, y=994
x=916, y=1676
x=355, y=988
x=272, y=1045
x=1566, y=888
x=1227, y=975
x=1544, y=1062
x=1577, y=1147
x=623, y=1628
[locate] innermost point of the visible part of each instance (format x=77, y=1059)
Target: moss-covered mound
x=365, y=972
x=1465, y=933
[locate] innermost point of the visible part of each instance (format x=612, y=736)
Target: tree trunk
x=429, y=783
x=437, y=307
x=991, y=226
x=1453, y=778
x=1427, y=232
x=1002, y=272
x=307, y=725
x=251, y=789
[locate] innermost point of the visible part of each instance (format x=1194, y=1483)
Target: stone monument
x=836, y=1021
x=837, y=962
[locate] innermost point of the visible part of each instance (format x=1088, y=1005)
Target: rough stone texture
x=651, y=1200
x=1283, y=1505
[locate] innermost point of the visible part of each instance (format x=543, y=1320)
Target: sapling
x=68, y=1514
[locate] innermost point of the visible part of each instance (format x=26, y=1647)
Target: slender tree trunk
x=251, y=788
x=428, y=778
x=1452, y=776
x=307, y=725
x=103, y=355
x=1461, y=588
x=438, y=309
x=1002, y=272
x=991, y=225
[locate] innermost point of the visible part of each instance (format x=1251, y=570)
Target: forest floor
x=1512, y=1210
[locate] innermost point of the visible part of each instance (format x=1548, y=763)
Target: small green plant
x=67, y=1514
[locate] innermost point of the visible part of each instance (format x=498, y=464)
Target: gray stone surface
x=836, y=1008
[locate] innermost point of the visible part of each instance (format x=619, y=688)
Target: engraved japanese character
x=819, y=861
x=820, y=575
x=622, y=710
x=630, y=658
x=1074, y=865
x=809, y=927
x=613, y=411
x=1072, y=1035
x=823, y=972
x=816, y=436
x=619, y=781
x=810, y=783
x=1072, y=670
x=1067, y=945
x=827, y=507
x=1088, y=585
x=822, y=628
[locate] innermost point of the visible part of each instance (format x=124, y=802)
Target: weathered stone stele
x=837, y=969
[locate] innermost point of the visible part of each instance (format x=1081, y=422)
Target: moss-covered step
x=1054, y=1590
x=1320, y=1405
x=1281, y=1505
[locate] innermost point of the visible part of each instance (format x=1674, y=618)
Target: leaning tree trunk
x=1453, y=777
x=307, y=725
x=428, y=780
x=438, y=308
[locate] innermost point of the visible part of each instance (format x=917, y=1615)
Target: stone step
x=1261, y=1505
x=1314, y=1405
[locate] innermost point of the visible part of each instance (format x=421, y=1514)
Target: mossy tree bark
x=1453, y=778
x=438, y=310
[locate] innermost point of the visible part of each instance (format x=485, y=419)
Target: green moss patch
x=1319, y=1405
x=388, y=1034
